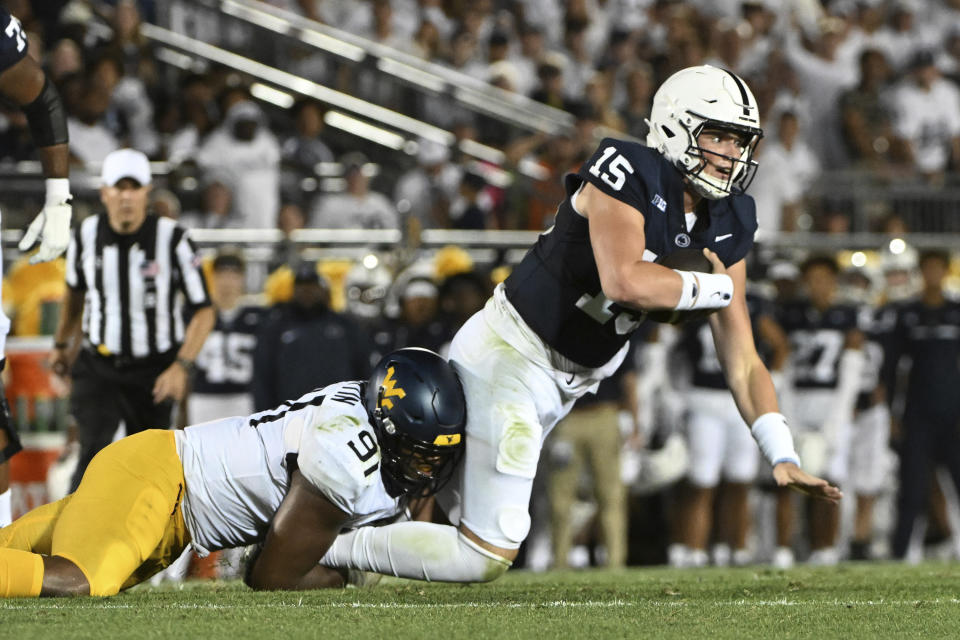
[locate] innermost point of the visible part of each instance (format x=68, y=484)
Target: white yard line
x=556, y=604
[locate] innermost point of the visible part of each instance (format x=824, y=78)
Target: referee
x=128, y=274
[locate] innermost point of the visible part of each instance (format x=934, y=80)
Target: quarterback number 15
x=614, y=174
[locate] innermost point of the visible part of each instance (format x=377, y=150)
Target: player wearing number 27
x=560, y=323
x=290, y=478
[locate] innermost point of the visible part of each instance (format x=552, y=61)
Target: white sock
x=6, y=515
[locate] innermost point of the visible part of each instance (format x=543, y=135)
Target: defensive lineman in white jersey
x=291, y=478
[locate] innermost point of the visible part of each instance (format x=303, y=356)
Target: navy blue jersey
x=877, y=326
x=697, y=347
x=556, y=288
x=225, y=363
x=13, y=42
x=930, y=336
x=817, y=339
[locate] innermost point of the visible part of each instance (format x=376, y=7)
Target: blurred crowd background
x=269, y=123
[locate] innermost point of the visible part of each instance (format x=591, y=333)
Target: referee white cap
x=125, y=163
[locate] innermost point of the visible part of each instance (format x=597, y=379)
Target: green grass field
x=868, y=601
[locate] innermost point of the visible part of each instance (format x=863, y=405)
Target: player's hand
x=715, y=261
x=787, y=474
x=171, y=384
x=52, y=227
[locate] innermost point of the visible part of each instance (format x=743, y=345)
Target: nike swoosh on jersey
x=723, y=237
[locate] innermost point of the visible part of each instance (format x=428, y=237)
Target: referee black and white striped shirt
x=133, y=283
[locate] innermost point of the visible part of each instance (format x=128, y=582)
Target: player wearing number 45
x=291, y=478
x=560, y=322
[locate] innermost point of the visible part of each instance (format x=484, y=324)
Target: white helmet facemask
x=698, y=99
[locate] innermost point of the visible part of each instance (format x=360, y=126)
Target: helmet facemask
x=410, y=466
x=742, y=170
x=699, y=99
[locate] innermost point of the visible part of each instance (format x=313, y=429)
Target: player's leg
x=125, y=512
x=741, y=462
x=565, y=466
x=868, y=462
x=93, y=404
x=603, y=439
x=33, y=531
x=705, y=433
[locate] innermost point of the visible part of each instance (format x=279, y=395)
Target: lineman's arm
x=752, y=388
x=26, y=84
x=305, y=526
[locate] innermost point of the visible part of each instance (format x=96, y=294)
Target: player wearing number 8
x=560, y=322
x=289, y=479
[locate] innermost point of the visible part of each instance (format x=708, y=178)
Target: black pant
x=105, y=391
x=930, y=439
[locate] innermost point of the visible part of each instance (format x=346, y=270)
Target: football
x=688, y=259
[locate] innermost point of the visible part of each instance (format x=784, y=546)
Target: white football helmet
x=366, y=289
x=698, y=98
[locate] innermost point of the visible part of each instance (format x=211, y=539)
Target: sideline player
x=23, y=82
x=290, y=478
x=827, y=346
x=560, y=323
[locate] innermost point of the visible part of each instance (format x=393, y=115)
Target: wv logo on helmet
x=390, y=390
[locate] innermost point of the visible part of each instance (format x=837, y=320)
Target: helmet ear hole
x=668, y=131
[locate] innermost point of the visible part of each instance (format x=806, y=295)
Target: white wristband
x=704, y=290
x=773, y=436
x=58, y=191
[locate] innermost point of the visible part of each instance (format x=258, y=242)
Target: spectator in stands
x=866, y=119
x=217, y=207
x=418, y=324
x=424, y=193
x=639, y=96
x=527, y=59
x=787, y=170
x=579, y=67
x=130, y=116
x=137, y=55
x=304, y=344
x=597, y=94
x=427, y=43
x=822, y=76
x=290, y=218
x=165, y=204
x=197, y=114
x=63, y=59
x=87, y=102
x=927, y=120
x=305, y=148
x=469, y=209
x=246, y=151
x=551, y=88
x=358, y=207
x=464, y=56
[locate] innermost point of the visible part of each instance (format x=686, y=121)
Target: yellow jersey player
x=291, y=479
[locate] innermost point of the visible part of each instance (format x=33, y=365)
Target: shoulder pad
x=339, y=456
x=626, y=171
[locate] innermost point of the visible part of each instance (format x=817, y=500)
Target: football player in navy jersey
x=928, y=331
x=224, y=366
x=561, y=321
x=827, y=363
x=23, y=82
x=719, y=444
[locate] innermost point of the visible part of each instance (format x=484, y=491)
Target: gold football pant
x=122, y=525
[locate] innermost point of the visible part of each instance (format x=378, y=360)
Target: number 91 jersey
x=237, y=470
x=13, y=41
x=556, y=287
